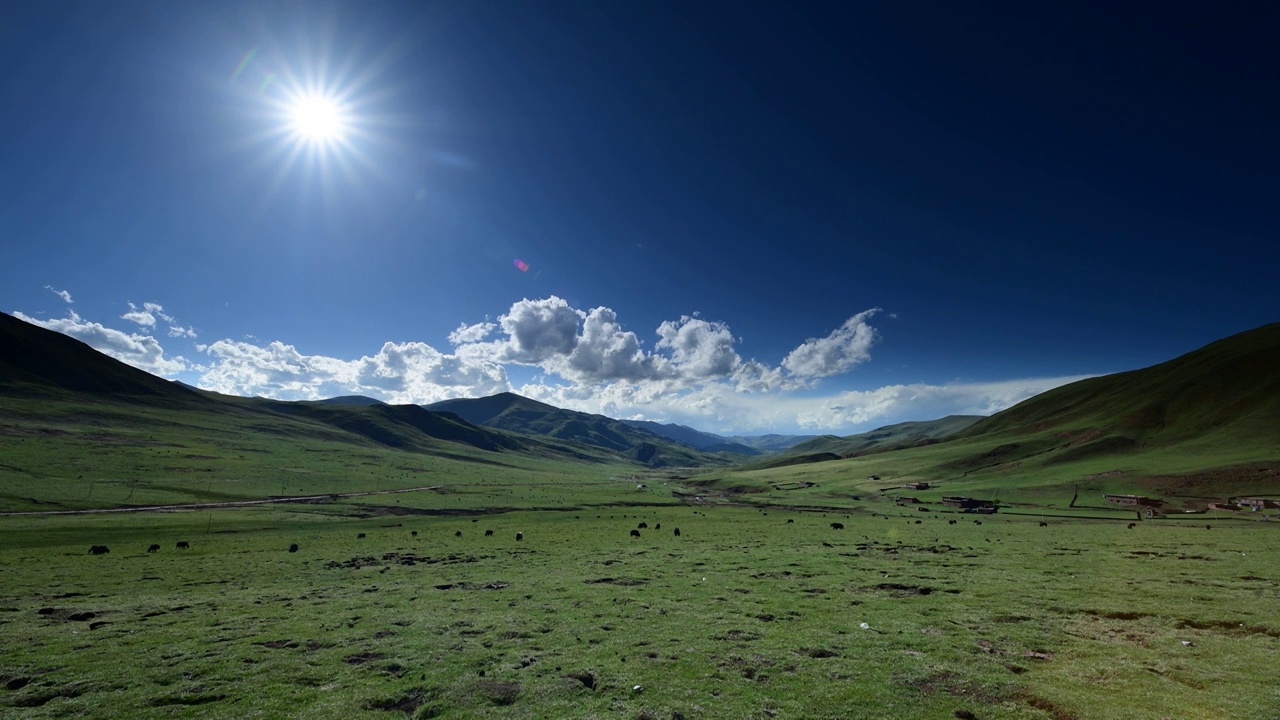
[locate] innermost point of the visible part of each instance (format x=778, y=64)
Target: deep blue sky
x=1028, y=191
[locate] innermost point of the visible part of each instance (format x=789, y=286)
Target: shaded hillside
x=61, y=400
x=38, y=362
x=1225, y=395
x=350, y=400
x=399, y=426
x=515, y=413
x=769, y=443
x=890, y=437
x=786, y=460
x=694, y=438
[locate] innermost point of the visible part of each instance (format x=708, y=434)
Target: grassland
x=743, y=615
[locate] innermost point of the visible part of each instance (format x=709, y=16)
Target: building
x=918, y=486
x=1255, y=503
x=968, y=503
x=908, y=501
x=1131, y=500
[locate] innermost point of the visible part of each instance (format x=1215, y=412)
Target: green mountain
x=1200, y=426
x=769, y=443
x=351, y=400
x=515, y=413
x=1223, y=399
x=890, y=437
x=694, y=438
x=73, y=420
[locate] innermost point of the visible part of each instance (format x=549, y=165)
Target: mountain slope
x=1197, y=427
x=769, y=443
x=39, y=362
x=515, y=413
x=693, y=437
x=58, y=388
x=889, y=437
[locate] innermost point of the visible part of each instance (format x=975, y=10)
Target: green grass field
x=744, y=615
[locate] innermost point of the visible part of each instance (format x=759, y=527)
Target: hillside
x=890, y=437
x=1200, y=425
x=769, y=443
x=35, y=362
x=694, y=438
x=73, y=419
x=515, y=413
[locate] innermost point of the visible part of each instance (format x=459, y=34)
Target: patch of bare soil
x=407, y=703
x=499, y=692
x=624, y=581
x=1228, y=627
x=1249, y=478
x=1055, y=711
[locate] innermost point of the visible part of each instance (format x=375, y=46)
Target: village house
x=1131, y=500
x=968, y=504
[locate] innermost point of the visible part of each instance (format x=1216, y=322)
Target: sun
x=317, y=119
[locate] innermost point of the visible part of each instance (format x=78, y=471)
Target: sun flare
x=316, y=118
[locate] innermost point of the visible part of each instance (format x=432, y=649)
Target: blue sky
x=747, y=218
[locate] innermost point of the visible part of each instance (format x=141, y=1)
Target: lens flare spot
x=521, y=265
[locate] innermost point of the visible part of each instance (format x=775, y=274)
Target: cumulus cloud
x=699, y=349
x=141, y=351
x=693, y=374
x=411, y=372
x=466, y=334
x=836, y=353
x=146, y=315
x=65, y=295
x=539, y=330
x=721, y=408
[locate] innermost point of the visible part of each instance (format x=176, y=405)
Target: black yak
x=183, y=545
x=154, y=548
x=293, y=547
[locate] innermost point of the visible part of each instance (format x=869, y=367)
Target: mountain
x=1223, y=398
x=769, y=443
x=59, y=389
x=35, y=362
x=693, y=438
x=350, y=400
x=516, y=413
x=889, y=437
x=1197, y=427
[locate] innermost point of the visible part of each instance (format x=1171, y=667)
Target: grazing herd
x=635, y=533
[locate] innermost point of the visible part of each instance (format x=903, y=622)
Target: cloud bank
x=692, y=373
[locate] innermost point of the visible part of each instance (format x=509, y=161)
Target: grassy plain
x=744, y=615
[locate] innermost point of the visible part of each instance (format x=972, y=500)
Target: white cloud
x=411, y=372
x=141, y=351
x=693, y=374
x=836, y=353
x=699, y=349
x=147, y=314
x=538, y=330
x=719, y=407
x=65, y=295
x=466, y=334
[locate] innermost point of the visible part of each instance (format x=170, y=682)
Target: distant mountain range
x=515, y=413
x=1218, y=406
